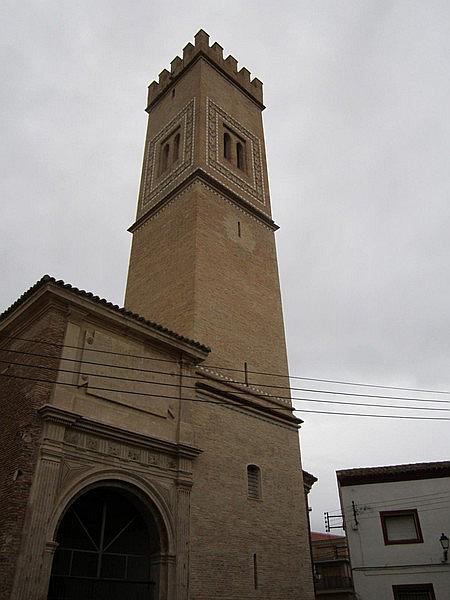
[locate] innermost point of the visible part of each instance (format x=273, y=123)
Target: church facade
x=138, y=462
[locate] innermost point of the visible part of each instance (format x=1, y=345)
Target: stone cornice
x=250, y=403
x=52, y=413
x=242, y=388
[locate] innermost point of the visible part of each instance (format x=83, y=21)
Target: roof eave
x=50, y=293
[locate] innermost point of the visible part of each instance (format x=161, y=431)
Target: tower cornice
x=203, y=177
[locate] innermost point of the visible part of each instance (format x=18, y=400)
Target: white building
x=398, y=522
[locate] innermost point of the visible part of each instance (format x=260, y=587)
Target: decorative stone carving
x=153, y=459
x=172, y=463
x=113, y=449
x=134, y=454
x=69, y=470
x=72, y=437
x=92, y=443
x=166, y=492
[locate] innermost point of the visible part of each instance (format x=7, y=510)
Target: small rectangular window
x=401, y=527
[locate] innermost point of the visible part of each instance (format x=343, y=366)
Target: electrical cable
x=265, y=394
x=432, y=496
x=422, y=508
x=267, y=409
x=286, y=376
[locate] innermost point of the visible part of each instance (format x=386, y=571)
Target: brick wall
x=228, y=528
x=21, y=430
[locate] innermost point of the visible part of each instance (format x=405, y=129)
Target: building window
x=401, y=527
x=176, y=147
x=165, y=157
x=253, y=481
x=240, y=156
x=422, y=591
x=227, y=146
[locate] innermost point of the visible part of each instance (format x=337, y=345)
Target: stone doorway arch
x=111, y=543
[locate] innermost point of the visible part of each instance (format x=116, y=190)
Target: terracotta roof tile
x=47, y=279
x=406, y=472
x=318, y=536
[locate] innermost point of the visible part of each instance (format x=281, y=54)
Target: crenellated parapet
x=228, y=66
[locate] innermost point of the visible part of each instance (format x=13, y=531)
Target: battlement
x=214, y=53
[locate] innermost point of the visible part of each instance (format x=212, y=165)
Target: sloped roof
x=308, y=479
x=47, y=279
x=406, y=472
x=318, y=536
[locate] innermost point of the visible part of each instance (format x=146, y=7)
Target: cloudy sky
x=357, y=131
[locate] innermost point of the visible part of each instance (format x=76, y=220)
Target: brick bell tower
x=203, y=259
x=203, y=263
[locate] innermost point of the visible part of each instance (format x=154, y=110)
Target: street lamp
x=444, y=543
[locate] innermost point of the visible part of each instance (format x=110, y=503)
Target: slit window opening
x=227, y=146
x=176, y=148
x=165, y=158
x=253, y=482
x=240, y=157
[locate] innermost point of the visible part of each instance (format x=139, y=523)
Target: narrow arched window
x=253, y=481
x=165, y=158
x=240, y=158
x=176, y=148
x=227, y=146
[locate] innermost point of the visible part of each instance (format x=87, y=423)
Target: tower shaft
x=203, y=259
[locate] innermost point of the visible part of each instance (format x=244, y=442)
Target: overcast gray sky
x=357, y=132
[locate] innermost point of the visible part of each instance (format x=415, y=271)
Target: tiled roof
x=46, y=279
x=318, y=536
x=308, y=478
x=428, y=470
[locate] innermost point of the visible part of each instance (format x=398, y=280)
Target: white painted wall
x=377, y=567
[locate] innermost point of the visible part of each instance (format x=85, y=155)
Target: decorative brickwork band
x=252, y=185
x=153, y=186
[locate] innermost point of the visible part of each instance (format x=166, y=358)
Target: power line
x=265, y=394
x=426, y=507
x=283, y=375
x=180, y=385
x=228, y=403
x=422, y=507
x=218, y=402
x=417, y=500
x=422, y=501
x=431, y=496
